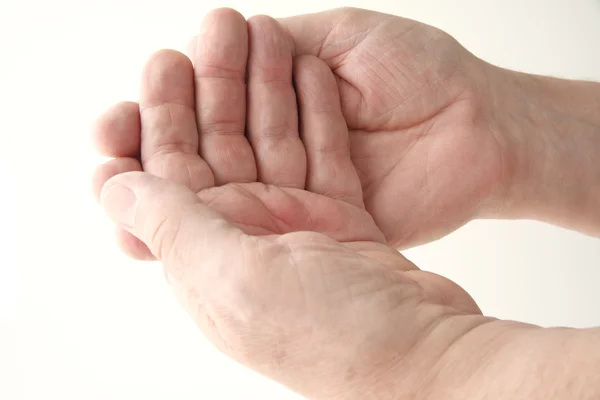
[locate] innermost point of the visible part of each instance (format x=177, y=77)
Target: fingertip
x=116, y=133
x=258, y=19
x=269, y=41
x=221, y=13
x=156, y=210
x=104, y=172
x=151, y=188
x=128, y=179
x=165, y=56
x=226, y=42
x=166, y=78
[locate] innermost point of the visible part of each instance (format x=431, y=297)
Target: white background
x=80, y=321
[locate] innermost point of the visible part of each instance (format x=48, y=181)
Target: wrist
x=550, y=134
x=503, y=359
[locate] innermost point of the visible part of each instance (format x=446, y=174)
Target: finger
x=169, y=146
x=190, y=49
x=272, y=109
x=219, y=54
x=111, y=168
x=116, y=133
x=132, y=246
x=128, y=243
x=331, y=35
x=283, y=210
x=330, y=170
x=170, y=219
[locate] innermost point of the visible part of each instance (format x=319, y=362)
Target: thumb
x=169, y=218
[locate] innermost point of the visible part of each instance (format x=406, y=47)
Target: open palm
x=282, y=166
x=412, y=98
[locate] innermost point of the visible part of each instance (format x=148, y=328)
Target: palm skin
x=414, y=102
x=261, y=209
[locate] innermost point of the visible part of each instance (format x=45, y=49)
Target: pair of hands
x=293, y=154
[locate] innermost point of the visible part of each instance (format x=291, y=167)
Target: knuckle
x=278, y=133
x=222, y=128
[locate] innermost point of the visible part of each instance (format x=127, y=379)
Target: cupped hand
x=416, y=104
x=282, y=268
x=329, y=319
x=231, y=127
x=256, y=211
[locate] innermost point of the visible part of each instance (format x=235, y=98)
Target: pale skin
x=275, y=201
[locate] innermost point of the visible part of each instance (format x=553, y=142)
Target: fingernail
x=119, y=203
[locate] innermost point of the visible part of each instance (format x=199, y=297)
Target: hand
x=332, y=202
x=346, y=318
x=231, y=245
x=331, y=320
x=189, y=127
x=190, y=123
x=268, y=295
x=415, y=102
x=340, y=319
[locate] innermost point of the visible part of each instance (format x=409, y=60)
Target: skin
x=412, y=97
x=440, y=137
x=413, y=144
x=437, y=136
x=272, y=203
x=308, y=234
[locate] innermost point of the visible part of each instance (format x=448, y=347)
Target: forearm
x=560, y=364
x=551, y=130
